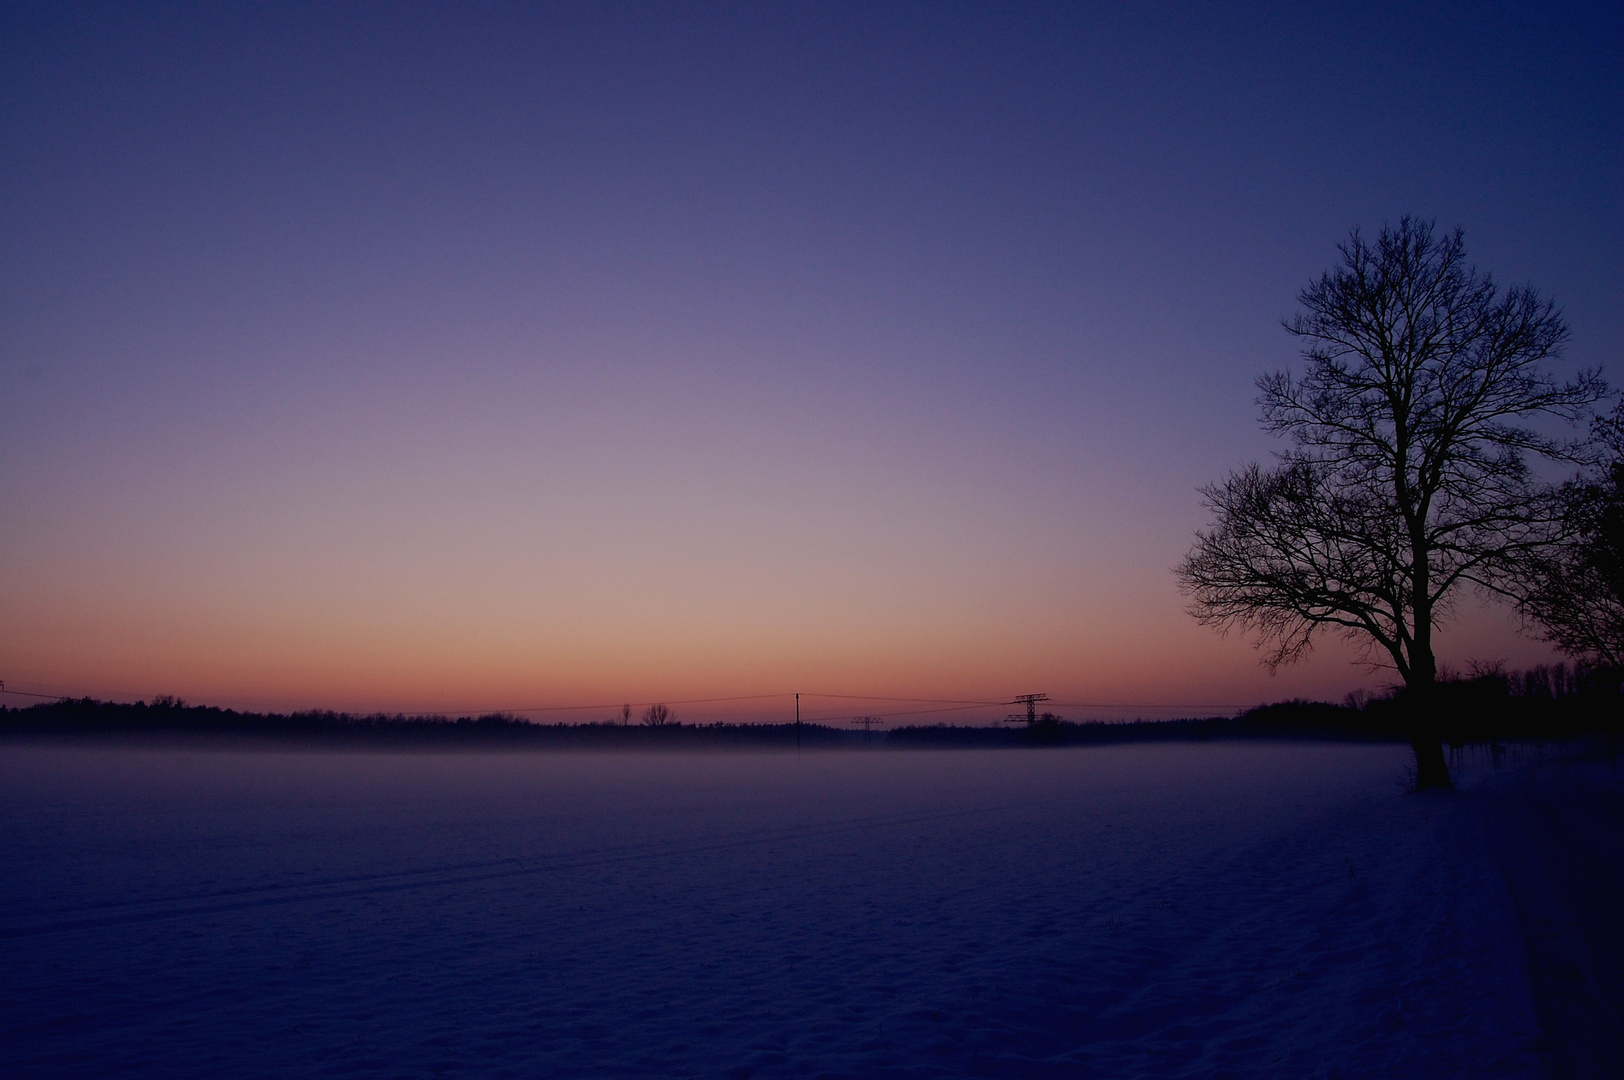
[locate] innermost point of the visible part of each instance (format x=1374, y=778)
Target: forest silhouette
x=1485, y=706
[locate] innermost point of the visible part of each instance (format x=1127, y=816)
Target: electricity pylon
x=1031, y=703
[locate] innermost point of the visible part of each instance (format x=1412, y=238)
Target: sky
x=489, y=356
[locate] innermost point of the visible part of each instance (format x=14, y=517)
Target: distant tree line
x=1488, y=703
x=1491, y=703
x=169, y=717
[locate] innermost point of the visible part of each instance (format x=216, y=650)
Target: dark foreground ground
x=1556, y=829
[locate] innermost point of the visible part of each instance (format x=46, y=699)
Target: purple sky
x=479, y=356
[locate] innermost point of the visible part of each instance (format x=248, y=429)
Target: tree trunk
x=1426, y=728
x=1431, y=768
x=1426, y=737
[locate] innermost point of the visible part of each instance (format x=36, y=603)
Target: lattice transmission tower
x=1031, y=713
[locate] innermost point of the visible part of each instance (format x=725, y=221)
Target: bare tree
x=1408, y=475
x=1575, y=597
x=625, y=715
x=658, y=716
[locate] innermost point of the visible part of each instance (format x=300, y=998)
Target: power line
x=903, y=712
x=1061, y=704
x=1140, y=705
x=618, y=704
x=25, y=693
x=882, y=697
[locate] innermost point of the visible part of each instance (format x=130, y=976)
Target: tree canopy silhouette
x=658, y=716
x=1408, y=476
x=1576, y=593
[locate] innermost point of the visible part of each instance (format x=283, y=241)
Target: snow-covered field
x=1173, y=910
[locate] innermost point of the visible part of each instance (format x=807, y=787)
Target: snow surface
x=1166, y=910
x=1557, y=831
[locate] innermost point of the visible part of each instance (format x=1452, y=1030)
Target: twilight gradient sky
x=475, y=356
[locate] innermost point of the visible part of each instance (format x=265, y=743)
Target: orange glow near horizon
x=532, y=358
x=465, y=662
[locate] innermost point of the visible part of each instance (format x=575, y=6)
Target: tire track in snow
x=223, y=900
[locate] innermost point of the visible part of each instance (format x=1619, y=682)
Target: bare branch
x=1411, y=427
